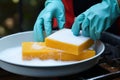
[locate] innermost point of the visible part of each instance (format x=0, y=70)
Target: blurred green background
x=18, y=15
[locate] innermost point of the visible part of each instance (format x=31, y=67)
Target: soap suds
x=14, y=55
x=36, y=46
x=60, y=56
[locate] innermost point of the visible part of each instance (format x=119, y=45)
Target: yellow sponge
x=66, y=41
x=31, y=50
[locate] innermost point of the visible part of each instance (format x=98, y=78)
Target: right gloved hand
x=96, y=19
x=53, y=9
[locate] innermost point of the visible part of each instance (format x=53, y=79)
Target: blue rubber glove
x=96, y=19
x=53, y=9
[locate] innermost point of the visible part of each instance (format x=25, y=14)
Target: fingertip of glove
x=61, y=25
x=36, y=39
x=94, y=38
x=75, y=33
x=85, y=34
x=48, y=32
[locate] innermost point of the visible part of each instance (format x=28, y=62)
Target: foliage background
x=18, y=15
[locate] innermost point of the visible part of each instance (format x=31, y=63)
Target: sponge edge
x=32, y=50
x=66, y=41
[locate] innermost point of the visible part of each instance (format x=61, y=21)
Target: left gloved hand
x=53, y=9
x=96, y=19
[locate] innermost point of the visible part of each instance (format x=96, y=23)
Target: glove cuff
x=114, y=5
x=115, y=8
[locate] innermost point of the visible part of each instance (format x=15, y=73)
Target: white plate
x=11, y=59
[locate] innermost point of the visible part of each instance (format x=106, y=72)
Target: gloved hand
x=96, y=19
x=53, y=9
